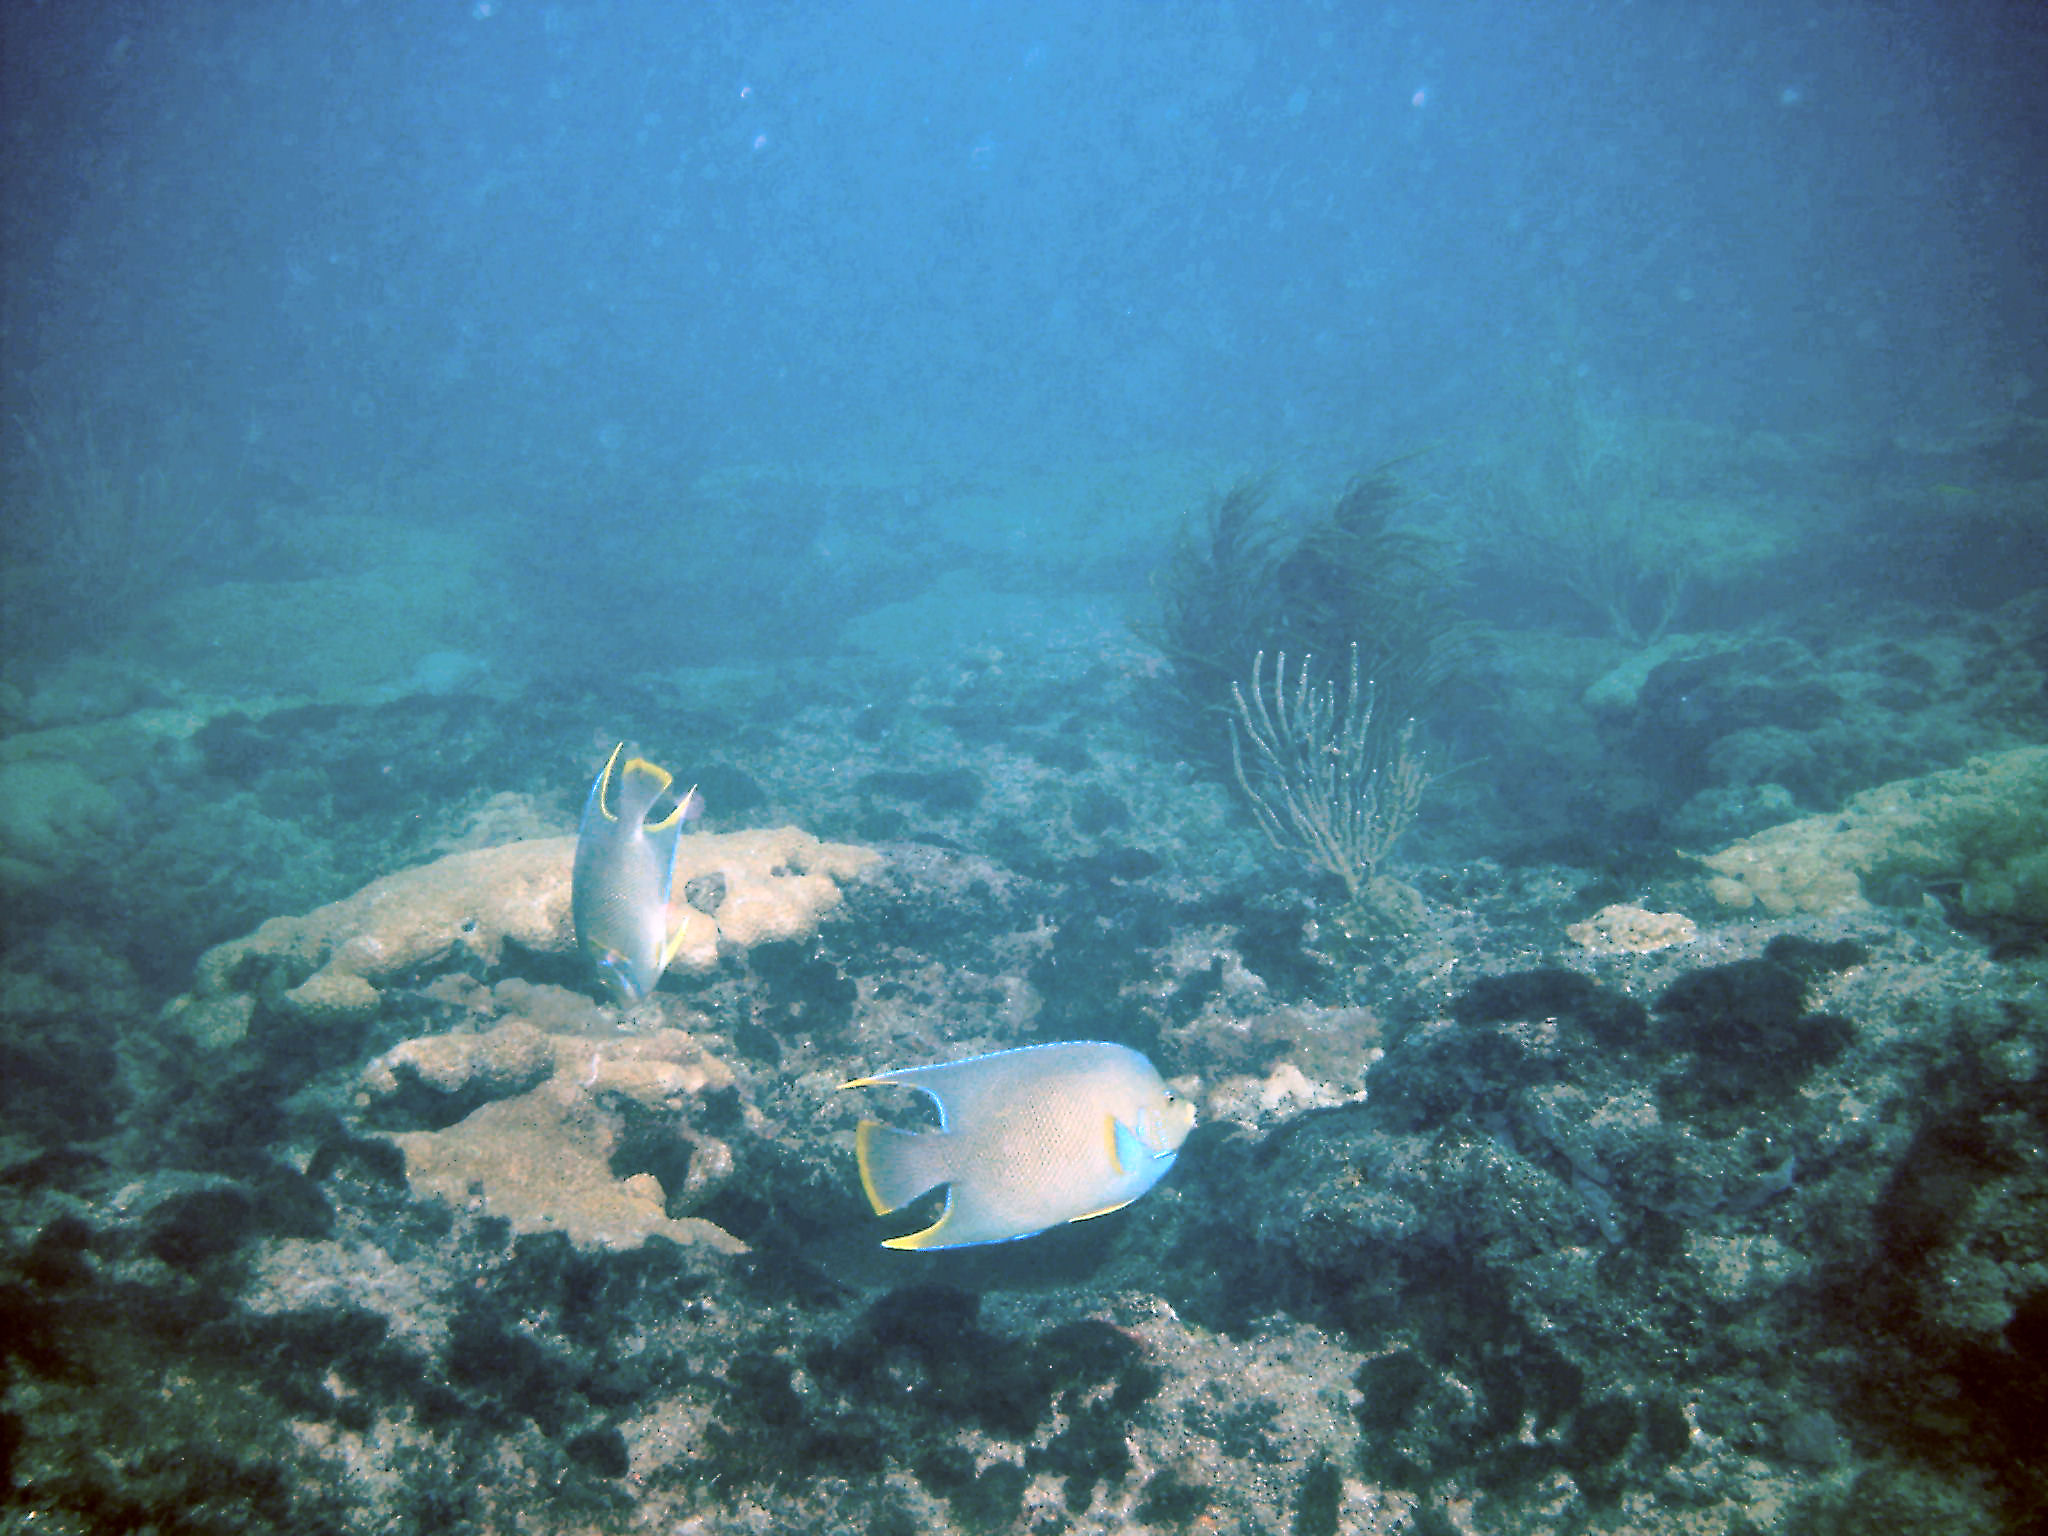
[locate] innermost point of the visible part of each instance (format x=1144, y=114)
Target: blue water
x=348, y=237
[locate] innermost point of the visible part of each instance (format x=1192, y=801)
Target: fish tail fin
x=641, y=784
x=898, y=1166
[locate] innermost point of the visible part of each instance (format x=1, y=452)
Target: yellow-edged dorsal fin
x=604, y=784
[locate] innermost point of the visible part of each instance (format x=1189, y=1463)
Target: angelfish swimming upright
x=625, y=866
x=1027, y=1139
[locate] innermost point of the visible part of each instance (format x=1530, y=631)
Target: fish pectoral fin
x=615, y=971
x=1091, y=1215
x=1127, y=1150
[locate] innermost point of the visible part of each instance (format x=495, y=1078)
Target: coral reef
x=51, y=817
x=1241, y=580
x=1328, y=761
x=1326, y=784
x=1526, y=1222
x=1980, y=830
x=734, y=889
x=748, y=888
x=1631, y=520
x=1622, y=929
x=63, y=786
x=529, y=1112
x=327, y=966
x=109, y=524
x=542, y=1148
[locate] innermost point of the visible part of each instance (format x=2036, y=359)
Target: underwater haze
x=1465, y=585
x=559, y=237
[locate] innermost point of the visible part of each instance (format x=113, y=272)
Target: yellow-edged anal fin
x=928, y=1237
x=1091, y=1215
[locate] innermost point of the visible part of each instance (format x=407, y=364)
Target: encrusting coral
x=1623, y=929
x=1983, y=826
x=733, y=890
x=530, y=1118
x=539, y=1152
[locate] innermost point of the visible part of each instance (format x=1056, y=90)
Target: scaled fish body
x=1028, y=1139
x=619, y=892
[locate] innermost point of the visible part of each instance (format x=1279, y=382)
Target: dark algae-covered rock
x=897, y=1387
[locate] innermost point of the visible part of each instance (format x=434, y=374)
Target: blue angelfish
x=625, y=865
x=1027, y=1139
